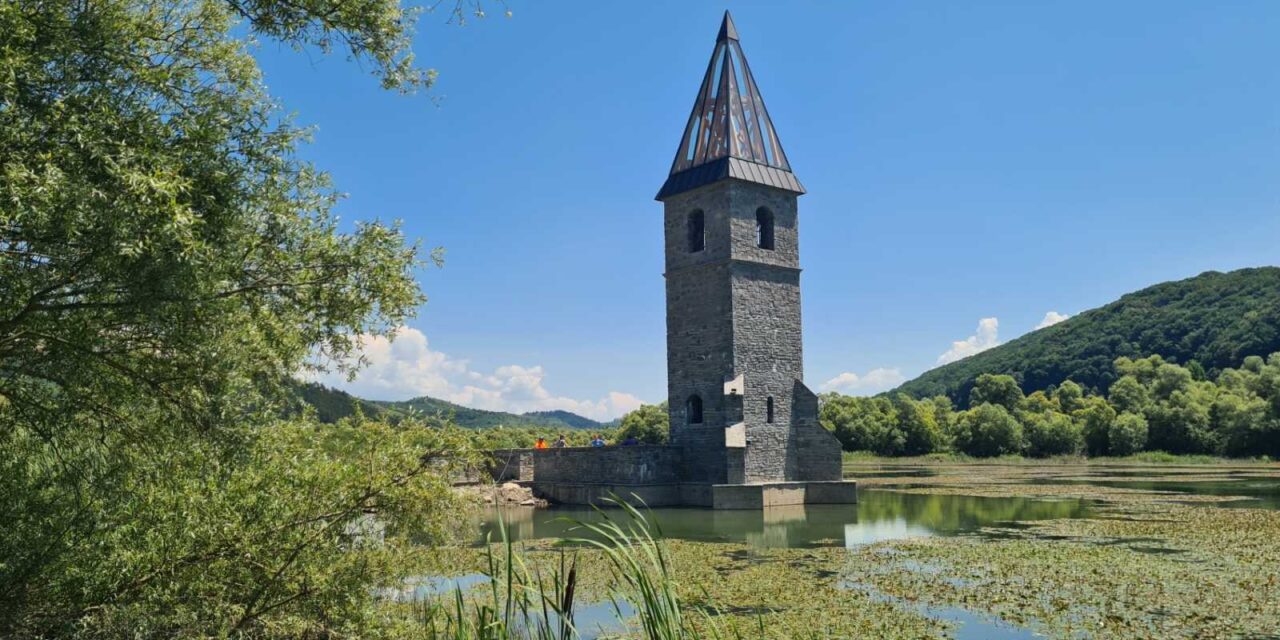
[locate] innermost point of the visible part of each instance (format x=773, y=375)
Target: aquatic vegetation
x=1154, y=570
x=1140, y=563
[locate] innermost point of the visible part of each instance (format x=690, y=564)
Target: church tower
x=740, y=412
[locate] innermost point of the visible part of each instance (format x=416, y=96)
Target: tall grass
x=639, y=562
x=520, y=603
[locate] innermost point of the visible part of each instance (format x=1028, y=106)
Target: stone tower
x=740, y=412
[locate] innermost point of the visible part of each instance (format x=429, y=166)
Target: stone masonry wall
x=699, y=329
x=733, y=309
x=506, y=465
x=641, y=464
x=814, y=451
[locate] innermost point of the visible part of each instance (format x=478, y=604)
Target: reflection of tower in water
x=777, y=525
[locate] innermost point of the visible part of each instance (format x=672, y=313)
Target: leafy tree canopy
x=167, y=262
x=649, y=424
x=1154, y=405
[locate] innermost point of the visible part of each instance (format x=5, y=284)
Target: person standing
x=541, y=443
x=597, y=440
x=560, y=442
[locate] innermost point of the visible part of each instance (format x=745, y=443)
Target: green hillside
x=568, y=418
x=332, y=405
x=479, y=418
x=1214, y=319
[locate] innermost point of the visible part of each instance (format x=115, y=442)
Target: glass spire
x=729, y=122
x=729, y=118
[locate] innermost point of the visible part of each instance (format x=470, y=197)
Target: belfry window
x=697, y=231
x=694, y=410
x=768, y=410
x=764, y=228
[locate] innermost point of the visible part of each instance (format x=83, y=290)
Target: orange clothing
x=541, y=444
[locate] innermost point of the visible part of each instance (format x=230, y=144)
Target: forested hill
x=1214, y=319
x=332, y=405
x=479, y=418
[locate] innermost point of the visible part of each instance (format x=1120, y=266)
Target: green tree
x=1039, y=402
x=1182, y=423
x=1170, y=379
x=944, y=415
x=1095, y=418
x=1070, y=397
x=988, y=430
x=1129, y=396
x=996, y=389
x=1052, y=434
x=1243, y=424
x=649, y=424
x=167, y=263
x=917, y=427
x=861, y=424
x=1127, y=434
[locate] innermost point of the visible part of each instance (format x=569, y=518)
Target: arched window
x=768, y=410
x=697, y=231
x=764, y=228
x=694, y=410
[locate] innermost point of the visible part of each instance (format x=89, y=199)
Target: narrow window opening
x=764, y=228
x=697, y=232
x=694, y=410
x=768, y=410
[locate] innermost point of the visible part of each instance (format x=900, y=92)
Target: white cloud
x=1052, y=318
x=873, y=381
x=406, y=367
x=987, y=336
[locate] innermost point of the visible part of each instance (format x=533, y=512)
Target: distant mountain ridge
x=332, y=405
x=1214, y=319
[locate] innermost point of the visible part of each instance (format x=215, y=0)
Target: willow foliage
x=166, y=263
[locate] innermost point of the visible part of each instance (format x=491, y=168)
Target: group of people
x=597, y=440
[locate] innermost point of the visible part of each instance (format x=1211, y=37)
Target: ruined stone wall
x=511, y=465
x=814, y=452
x=641, y=464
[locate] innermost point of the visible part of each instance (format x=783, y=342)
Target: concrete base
x=778, y=494
x=718, y=496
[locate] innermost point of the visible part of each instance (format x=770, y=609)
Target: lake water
x=879, y=515
x=1254, y=493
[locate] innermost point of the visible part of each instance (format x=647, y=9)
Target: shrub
x=916, y=427
x=988, y=430
x=1095, y=420
x=1052, y=434
x=1127, y=434
x=996, y=389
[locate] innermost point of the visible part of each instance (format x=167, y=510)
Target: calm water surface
x=879, y=515
x=1254, y=493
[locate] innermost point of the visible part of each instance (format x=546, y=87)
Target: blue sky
x=971, y=168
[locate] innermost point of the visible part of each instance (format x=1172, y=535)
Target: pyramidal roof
x=729, y=134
